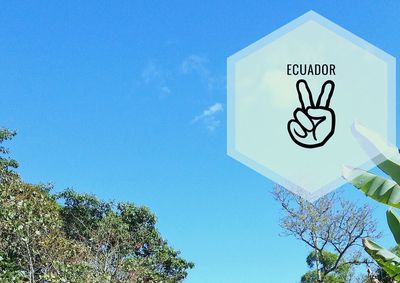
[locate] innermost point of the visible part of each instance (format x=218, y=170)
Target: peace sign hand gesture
x=313, y=125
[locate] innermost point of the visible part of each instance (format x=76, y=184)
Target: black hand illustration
x=313, y=124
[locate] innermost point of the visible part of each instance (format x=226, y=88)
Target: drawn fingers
x=326, y=94
x=304, y=93
x=296, y=130
x=312, y=125
x=301, y=126
x=319, y=113
x=303, y=119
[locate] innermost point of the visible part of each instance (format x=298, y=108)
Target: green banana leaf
x=394, y=224
x=392, y=169
x=378, y=188
x=387, y=260
x=386, y=156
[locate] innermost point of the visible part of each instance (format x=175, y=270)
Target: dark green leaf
x=378, y=188
x=385, y=258
x=394, y=224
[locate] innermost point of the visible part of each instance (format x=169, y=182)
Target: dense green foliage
x=386, y=191
x=380, y=275
x=72, y=237
x=327, y=260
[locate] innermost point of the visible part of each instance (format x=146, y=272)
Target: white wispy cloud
x=199, y=65
x=209, y=116
x=165, y=90
x=195, y=63
x=157, y=77
x=151, y=72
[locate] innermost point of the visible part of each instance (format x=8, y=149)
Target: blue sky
x=127, y=100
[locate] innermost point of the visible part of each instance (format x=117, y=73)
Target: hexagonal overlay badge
x=293, y=97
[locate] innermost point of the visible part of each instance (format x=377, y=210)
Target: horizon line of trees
x=76, y=237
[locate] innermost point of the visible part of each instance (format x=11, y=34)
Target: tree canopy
x=326, y=260
x=75, y=237
x=333, y=228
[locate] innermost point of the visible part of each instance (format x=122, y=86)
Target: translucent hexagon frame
x=263, y=168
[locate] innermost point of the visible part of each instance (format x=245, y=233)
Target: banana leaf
x=386, y=156
x=394, y=224
x=387, y=260
x=378, y=188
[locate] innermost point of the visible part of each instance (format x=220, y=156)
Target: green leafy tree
x=327, y=260
x=330, y=225
x=122, y=238
x=31, y=234
x=77, y=238
x=384, y=190
x=6, y=163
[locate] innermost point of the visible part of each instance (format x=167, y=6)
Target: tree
x=31, y=235
x=72, y=237
x=326, y=261
x=123, y=241
x=329, y=225
x=383, y=190
x=6, y=163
